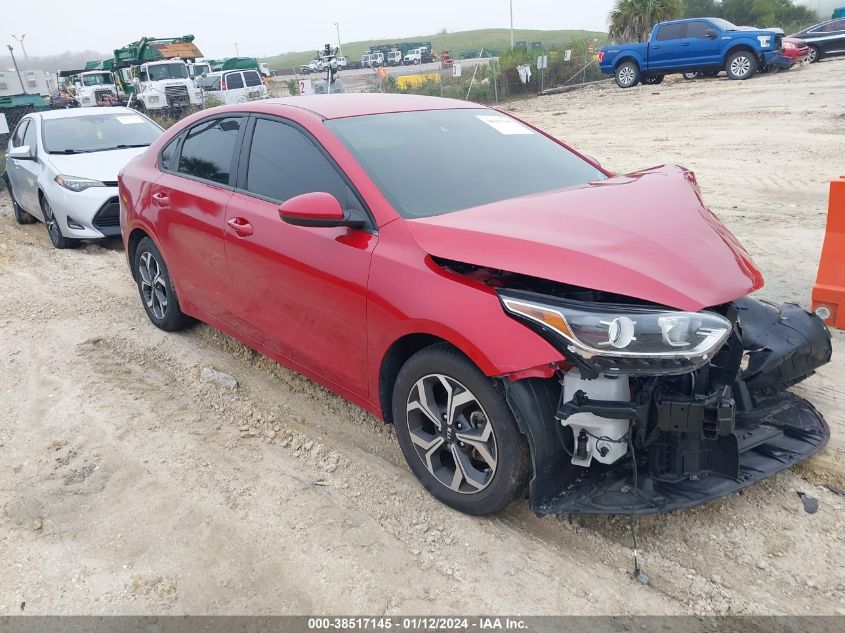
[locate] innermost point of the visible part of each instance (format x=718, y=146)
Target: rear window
x=252, y=78
x=234, y=80
x=671, y=31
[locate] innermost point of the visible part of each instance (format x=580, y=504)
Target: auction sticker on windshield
x=504, y=125
x=130, y=119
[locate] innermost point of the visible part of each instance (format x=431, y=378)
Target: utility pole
x=15, y=62
x=339, y=48
x=23, y=47
x=237, y=54
x=511, y=5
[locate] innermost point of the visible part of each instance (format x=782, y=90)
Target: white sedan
x=62, y=165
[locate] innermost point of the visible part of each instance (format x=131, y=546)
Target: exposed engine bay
x=656, y=409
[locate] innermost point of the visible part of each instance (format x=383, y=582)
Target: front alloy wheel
x=457, y=432
x=451, y=433
x=741, y=65
x=53, y=229
x=813, y=55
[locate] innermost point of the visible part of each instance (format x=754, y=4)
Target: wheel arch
x=135, y=237
x=396, y=356
x=740, y=46
x=627, y=57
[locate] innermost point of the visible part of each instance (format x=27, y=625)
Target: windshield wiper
x=71, y=151
x=121, y=146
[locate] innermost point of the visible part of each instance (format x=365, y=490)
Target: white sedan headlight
x=73, y=183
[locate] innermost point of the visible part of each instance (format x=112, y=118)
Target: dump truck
x=90, y=88
x=154, y=72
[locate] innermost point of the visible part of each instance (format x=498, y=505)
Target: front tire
x=741, y=65
x=155, y=287
x=457, y=432
x=813, y=55
x=53, y=229
x=627, y=75
x=691, y=76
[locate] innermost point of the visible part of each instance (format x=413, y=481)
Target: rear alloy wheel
x=53, y=228
x=627, y=75
x=813, y=55
x=21, y=216
x=457, y=432
x=741, y=65
x=156, y=289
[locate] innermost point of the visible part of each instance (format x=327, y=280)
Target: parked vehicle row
x=233, y=86
x=706, y=46
x=623, y=379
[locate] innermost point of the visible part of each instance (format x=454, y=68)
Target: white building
x=35, y=82
x=823, y=8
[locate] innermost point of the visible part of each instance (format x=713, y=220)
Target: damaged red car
x=526, y=320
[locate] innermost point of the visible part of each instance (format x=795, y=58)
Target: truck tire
x=741, y=65
x=627, y=75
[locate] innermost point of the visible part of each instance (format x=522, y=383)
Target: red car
x=519, y=314
x=796, y=50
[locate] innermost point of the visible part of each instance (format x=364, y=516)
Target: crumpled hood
x=96, y=165
x=645, y=235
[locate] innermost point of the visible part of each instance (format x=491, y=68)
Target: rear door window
x=209, y=149
x=252, y=78
x=168, y=155
x=234, y=80
x=675, y=31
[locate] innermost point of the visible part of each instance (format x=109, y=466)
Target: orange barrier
x=829, y=291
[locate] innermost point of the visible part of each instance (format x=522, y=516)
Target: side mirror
x=22, y=152
x=318, y=209
x=136, y=81
x=710, y=34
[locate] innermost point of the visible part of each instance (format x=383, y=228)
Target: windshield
x=97, y=80
x=724, y=24
x=167, y=71
x=94, y=133
x=432, y=162
x=210, y=82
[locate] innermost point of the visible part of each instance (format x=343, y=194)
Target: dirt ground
x=130, y=486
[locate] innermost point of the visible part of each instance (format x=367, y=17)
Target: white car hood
x=95, y=165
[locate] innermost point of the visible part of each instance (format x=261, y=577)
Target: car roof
x=71, y=113
x=338, y=106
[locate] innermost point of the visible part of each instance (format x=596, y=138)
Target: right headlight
x=612, y=338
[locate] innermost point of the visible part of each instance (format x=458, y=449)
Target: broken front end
x=658, y=409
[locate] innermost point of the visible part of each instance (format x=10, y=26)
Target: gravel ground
x=129, y=484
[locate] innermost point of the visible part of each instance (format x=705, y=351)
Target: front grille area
x=107, y=220
x=102, y=95
x=177, y=95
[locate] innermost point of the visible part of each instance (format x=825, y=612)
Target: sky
x=270, y=27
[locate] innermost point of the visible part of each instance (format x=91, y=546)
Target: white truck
x=372, y=60
x=418, y=56
x=162, y=84
x=95, y=88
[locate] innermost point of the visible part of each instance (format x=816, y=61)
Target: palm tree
x=632, y=20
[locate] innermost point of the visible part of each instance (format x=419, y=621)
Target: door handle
x=685, y=44
x=161, y=200
x=241, y=226
x=655, y=46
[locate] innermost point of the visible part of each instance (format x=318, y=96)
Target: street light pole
x=15, y=62
x=511, y=6
x=23, y=47
x=237, y=54
x=339, y=47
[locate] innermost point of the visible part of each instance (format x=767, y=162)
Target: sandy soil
x=129, y=485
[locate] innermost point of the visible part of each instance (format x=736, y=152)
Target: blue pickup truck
x=705, y=45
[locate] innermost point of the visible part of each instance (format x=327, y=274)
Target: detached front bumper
x=687, y=448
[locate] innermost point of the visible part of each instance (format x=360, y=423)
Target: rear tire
x=470, y=455
x=627, y=75
x=691, y=76
x=21, y=216
x=158, y=296
x=741, y=65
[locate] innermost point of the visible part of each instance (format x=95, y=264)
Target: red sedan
x=519, y=314
x=797, y=50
